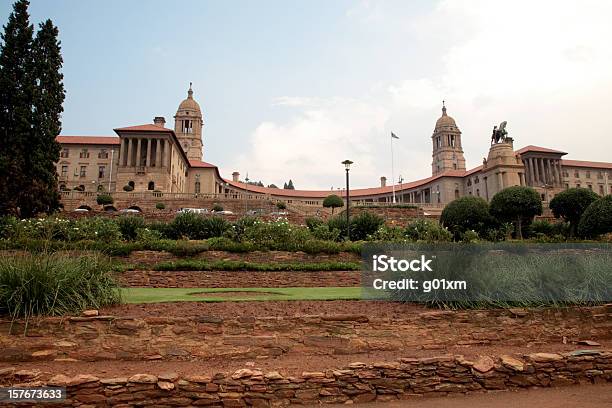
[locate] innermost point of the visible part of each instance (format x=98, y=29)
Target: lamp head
x=347, y=164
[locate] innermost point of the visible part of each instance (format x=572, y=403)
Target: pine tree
x=290, y=185
x=16, y=96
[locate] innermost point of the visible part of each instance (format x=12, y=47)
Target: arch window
x=131, y=184
x=151, y=185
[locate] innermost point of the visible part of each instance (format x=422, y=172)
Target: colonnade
x=145, y=152
x=541, y=170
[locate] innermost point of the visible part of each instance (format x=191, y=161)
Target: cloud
x=545, y=67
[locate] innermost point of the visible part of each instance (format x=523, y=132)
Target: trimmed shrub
x=597, y=218
x=276, y=235
x=281, y=206
x=217, y=207
x=570, y=204
x=466, y=214
x=129, y=224
x=426, y=230
x=333, y=201
x=314, y=222
x=50, y=284
x=104, y=199
x=127, y=187
x=194, y=226
x=517, y=205
x=160, y=206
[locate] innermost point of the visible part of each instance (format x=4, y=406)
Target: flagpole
x=392, y=169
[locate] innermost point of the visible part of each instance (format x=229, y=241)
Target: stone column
x=167, y=153
x=138, y=143
x=531, y=172
x=559, y=171
x=157, y=153
x=541, y=163
x=123, y=153
x=551, y=176
x=148, y=163
x=130, y=144
x=522, y=178
x=500, y=181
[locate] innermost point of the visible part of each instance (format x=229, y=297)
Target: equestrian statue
x=499, y=133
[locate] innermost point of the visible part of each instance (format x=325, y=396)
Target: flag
x=393, y=136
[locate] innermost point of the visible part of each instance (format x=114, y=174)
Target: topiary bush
x=465, y=214
x=104, y=199
x=517, y=205
x=597, y=218
x=333, y=201
x=160, y=206
x=217, y=207
x=281, y=206
x=127, y=187
x=570, y=204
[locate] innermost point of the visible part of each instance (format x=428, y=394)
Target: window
x=478, y=192
x=590, y=187
x=131, y=184
x=101, y=171
x=64, y=171
x=577, y=174
x=542, y=197
x=197, y=187
x=452, y=141
x=455, y=166
x=476, y=180
x=578, y=185
x=600, y=175
x=151, y=185
x=64, y=153
x=456, y=193
x=187, y=126
x=84, y=154
x=601, y=189
x=103, y=154
x=588, y=174
x=565, y=174
x=83, y=172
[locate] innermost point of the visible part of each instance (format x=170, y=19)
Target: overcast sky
x=289, y=89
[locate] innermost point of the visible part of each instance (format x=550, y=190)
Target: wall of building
x=70, y=169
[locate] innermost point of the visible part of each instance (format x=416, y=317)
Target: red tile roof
x=144, y=128
x=99, y=140
x=200, y=164
x=532, y=148
x=581, y=163
x=358, y=192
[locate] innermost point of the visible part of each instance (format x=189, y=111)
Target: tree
x=597, y=218
x=333, y=201
x=289, y=185
x=31, y=98
x=570, y=204
x=104, y=199
x=517, y=205
x=272, y=186
x=16, y=96
x=466, y=213
x=281, y=205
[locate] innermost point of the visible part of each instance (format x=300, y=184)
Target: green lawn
x=156, y=295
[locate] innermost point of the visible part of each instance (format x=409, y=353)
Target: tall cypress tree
x=31, y=98
x=16, y=96
x=49, y=95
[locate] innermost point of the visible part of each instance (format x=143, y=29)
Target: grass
x=54, y=284
x=202, y=265
x=156, y=295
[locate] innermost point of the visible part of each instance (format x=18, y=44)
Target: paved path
x=582, y=396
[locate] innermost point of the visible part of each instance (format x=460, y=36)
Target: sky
x=289, y=89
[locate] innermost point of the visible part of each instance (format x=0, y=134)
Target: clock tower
x=188, y=126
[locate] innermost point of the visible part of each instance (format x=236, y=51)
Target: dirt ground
x=583, y=396
x=373, y=309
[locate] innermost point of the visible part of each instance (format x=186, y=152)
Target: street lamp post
x=347, y=165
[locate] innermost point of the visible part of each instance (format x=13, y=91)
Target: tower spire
x=443, y=108
x=190, y=91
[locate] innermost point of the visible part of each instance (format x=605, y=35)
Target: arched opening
x=100, y=187
x=135, y=207
x=110, y=208
x=63, y=187
x=151, y=186
x=131, y=184
x=197, y=187
x=85, y=207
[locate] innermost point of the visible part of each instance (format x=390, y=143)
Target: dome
x=445, y=120
x=190, y=104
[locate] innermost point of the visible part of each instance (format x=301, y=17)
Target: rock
x=168, y=377
x=27, y=374
x=314, y=374
x=484, y=364
x=357, y=365
x=165, y=385
x=242, y=373
x=82, y=379
x=512, y=363
x=59, y=380
x=114, y=381
x=545, y=357
x=518, y=312
x=44, y=353
x=7, y=372
x=586, y=353
x=90, y=312
x=273, y=375
x=143, y=379
x=64, y=343
x=589, y=343
x=202, y=379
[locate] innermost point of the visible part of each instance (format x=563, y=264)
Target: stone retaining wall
x=239, y=279
x=356, y=383
x=153, y=257
x=199, y=338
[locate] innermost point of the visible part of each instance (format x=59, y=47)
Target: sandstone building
x=152, y=158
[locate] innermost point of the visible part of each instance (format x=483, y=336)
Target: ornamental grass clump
x=55, y=285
